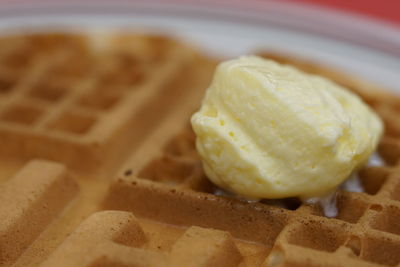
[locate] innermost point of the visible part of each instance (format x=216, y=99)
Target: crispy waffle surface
x=98, y=166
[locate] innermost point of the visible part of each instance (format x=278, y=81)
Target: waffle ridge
x=99, y=166
x=30, y=200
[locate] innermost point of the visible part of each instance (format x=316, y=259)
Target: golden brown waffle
x=125, y=186
x=68, y=99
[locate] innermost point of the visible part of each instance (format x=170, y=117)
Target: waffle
x=63, y=93
x=98, y=167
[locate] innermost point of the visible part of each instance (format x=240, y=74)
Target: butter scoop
x=267, y=130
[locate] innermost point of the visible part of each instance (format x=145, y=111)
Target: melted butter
x=328, y=202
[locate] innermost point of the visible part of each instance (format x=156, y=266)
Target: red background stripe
x=387, y=10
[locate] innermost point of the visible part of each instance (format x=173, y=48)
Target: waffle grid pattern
x=66, y=94
x=60, y=93
x=364, y=220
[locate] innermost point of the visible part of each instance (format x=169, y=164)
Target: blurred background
x=355, y=36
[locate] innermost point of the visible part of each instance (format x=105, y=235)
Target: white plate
x=366, y=48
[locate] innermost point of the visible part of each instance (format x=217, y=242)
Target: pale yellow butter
x=267, y=130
